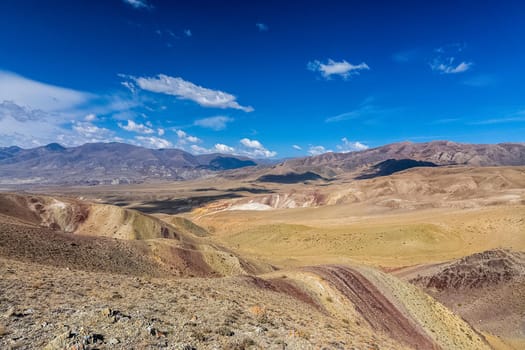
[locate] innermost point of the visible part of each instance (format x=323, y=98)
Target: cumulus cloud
x=153, y=142
x=255, y=149
x=138, y=4
x=261, y=27
x=136, y=127
x=91, y=131
x=248, y=148
x=185, y=138
x=160, y=131
x=222, y=148
x=317, y=150
x=215, y=123
x=185, y=90
x=342, y=68
x=349, y=146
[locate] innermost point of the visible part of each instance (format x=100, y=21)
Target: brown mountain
x=437, y=152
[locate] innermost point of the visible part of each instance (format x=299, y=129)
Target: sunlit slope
x=63, y=222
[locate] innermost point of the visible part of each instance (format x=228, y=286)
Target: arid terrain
x=414, y=257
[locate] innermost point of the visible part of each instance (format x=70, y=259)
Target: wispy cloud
x=261, y=27
x=406, y=56
x=26, y=92
x=350, y=146
x=138, y=4
x=517, y=117
x=186, y=90
x=343, y=68
x=446, y=60
x=481, y=80
x=366, y=109
x=450, y=67
x=187, y=32
x=297, y=147
x=215, y=123
x=136, y=127
x=34, y=113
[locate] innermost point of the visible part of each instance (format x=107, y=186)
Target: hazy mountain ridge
x=104, y=163
x=97, y=163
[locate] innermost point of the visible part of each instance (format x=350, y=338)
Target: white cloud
x=91, y=131
x=255, y=149
x=26, y=127
x=187, y=32
x=261, y=27
x=138, y=4
x=349, y=146
x=250, y=148
x=251, y=143
x=185, y=138
x=222, y=148
x=153, y=142
x=215, y=123
x=36, y=95
x=446, y=59
x=317, y=150
x=136, y=127
x=160, y=131
x=186, y=90
x=365, y=109
x=450, y=67
x=90, y=117
x=33, y=113
x=297, y=147
x=342, y=68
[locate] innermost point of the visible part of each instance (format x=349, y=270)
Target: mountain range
x=114, y=163
x=106, y=163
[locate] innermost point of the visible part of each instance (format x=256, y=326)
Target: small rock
x=60, y=342
x=113, y=341
x=260, y=330
x=10, y=312
x=106, y=312
x=187, y=347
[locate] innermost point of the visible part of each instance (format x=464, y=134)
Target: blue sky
x=266, y=79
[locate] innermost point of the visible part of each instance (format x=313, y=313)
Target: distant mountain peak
x=55, y=147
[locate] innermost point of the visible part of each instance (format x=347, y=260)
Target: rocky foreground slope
x=73, y=278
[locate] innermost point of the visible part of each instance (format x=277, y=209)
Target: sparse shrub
x=199, y=336
x=225, y=331
x=329, y=299
x=244, y=344
x=260, y=313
